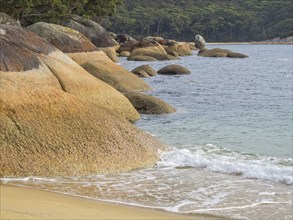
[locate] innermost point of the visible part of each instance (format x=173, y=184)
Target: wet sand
x=25, y=203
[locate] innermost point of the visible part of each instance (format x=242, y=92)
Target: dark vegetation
x=225, y=20
x=216, y=20
x=31, y=11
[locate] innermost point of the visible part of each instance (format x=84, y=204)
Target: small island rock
x=173, y=70
x=140, y=70
x=199, y=42
x=217, y=52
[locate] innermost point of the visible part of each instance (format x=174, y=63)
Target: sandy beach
x=25, y=203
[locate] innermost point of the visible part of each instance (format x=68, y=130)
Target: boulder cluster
x=68, y=109
x=62, y=107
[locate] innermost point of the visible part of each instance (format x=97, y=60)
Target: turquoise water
x=240, y=104
x=231, y=141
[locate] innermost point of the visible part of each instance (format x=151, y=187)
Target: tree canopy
x=31, y=11
x=223, y=20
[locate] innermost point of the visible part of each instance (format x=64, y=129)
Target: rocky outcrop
x=144, y=71
x=179, y=49
x=156, y=52
x=92, y=30
x=6, y=19
x=173, y=70
x=199, y=42
x=146, y=104
x=65, y=39
x=57, y=119
x=217, y=52
x=192, y=46
x=110, y=52
x=100, y=66
x=124, y=38
x=124, y=54
x=84, y=52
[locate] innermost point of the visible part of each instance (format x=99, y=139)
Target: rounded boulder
x=173, y=70
x=141, y=70
x=146, y=104
x=65, y=39
x=199, y=42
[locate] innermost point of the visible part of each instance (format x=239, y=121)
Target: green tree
x=30, y=11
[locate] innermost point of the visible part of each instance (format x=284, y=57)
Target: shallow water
x=231, y=140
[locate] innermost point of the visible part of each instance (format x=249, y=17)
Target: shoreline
x=250, y=43
x=28, y=203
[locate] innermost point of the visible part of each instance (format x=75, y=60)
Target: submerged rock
x=146, y=104
x=56, y=119
x=173, y=70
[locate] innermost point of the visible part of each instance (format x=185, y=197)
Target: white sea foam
x=29, y=178
x=222, y=160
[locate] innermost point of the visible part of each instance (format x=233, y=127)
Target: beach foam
x=213, y=158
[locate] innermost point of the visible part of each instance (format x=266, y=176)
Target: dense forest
x=225, y=20
x=28, y=12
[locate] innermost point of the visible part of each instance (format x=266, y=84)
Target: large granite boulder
x=56, y=119
x=92, y=30
x=144, y=71
x=6, y=19
x=80, y=49
x=146, y=104
x=199, y=42
x=65, y=39
x=68, y=40
x=100, y=66
x=217, y=52
x=173, y=70
x=110, y=52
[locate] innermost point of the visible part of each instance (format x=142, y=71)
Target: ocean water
x=230, y=140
